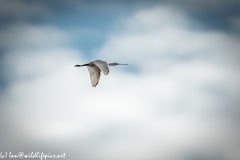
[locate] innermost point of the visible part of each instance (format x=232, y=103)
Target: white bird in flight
x=95, y=68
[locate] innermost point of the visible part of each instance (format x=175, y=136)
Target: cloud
x=22, y=9
x=235, y=24
x=181, y=104
x=28, y=36
x=184, y=70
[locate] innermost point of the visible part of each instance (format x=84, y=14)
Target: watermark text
x=37, y=155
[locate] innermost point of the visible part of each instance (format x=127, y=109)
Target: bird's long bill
x=122, y=64
x=77, y=66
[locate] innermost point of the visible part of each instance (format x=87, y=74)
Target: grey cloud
x=31, y=36
x=22, y=9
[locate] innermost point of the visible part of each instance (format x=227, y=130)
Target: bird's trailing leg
x=81, y=65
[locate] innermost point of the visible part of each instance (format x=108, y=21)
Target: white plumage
x=95, y=68
x=95, y=71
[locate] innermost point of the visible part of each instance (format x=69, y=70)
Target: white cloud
x=161, y=33
x=182, y=70
x=173, y=108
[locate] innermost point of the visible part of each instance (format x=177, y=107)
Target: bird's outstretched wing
x=95, y=73
x=102, y=65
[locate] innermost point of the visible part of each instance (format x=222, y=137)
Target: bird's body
x=95, y=68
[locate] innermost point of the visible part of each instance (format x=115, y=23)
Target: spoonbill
x=95, y=68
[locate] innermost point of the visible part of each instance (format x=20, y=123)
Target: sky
x=178, y=98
